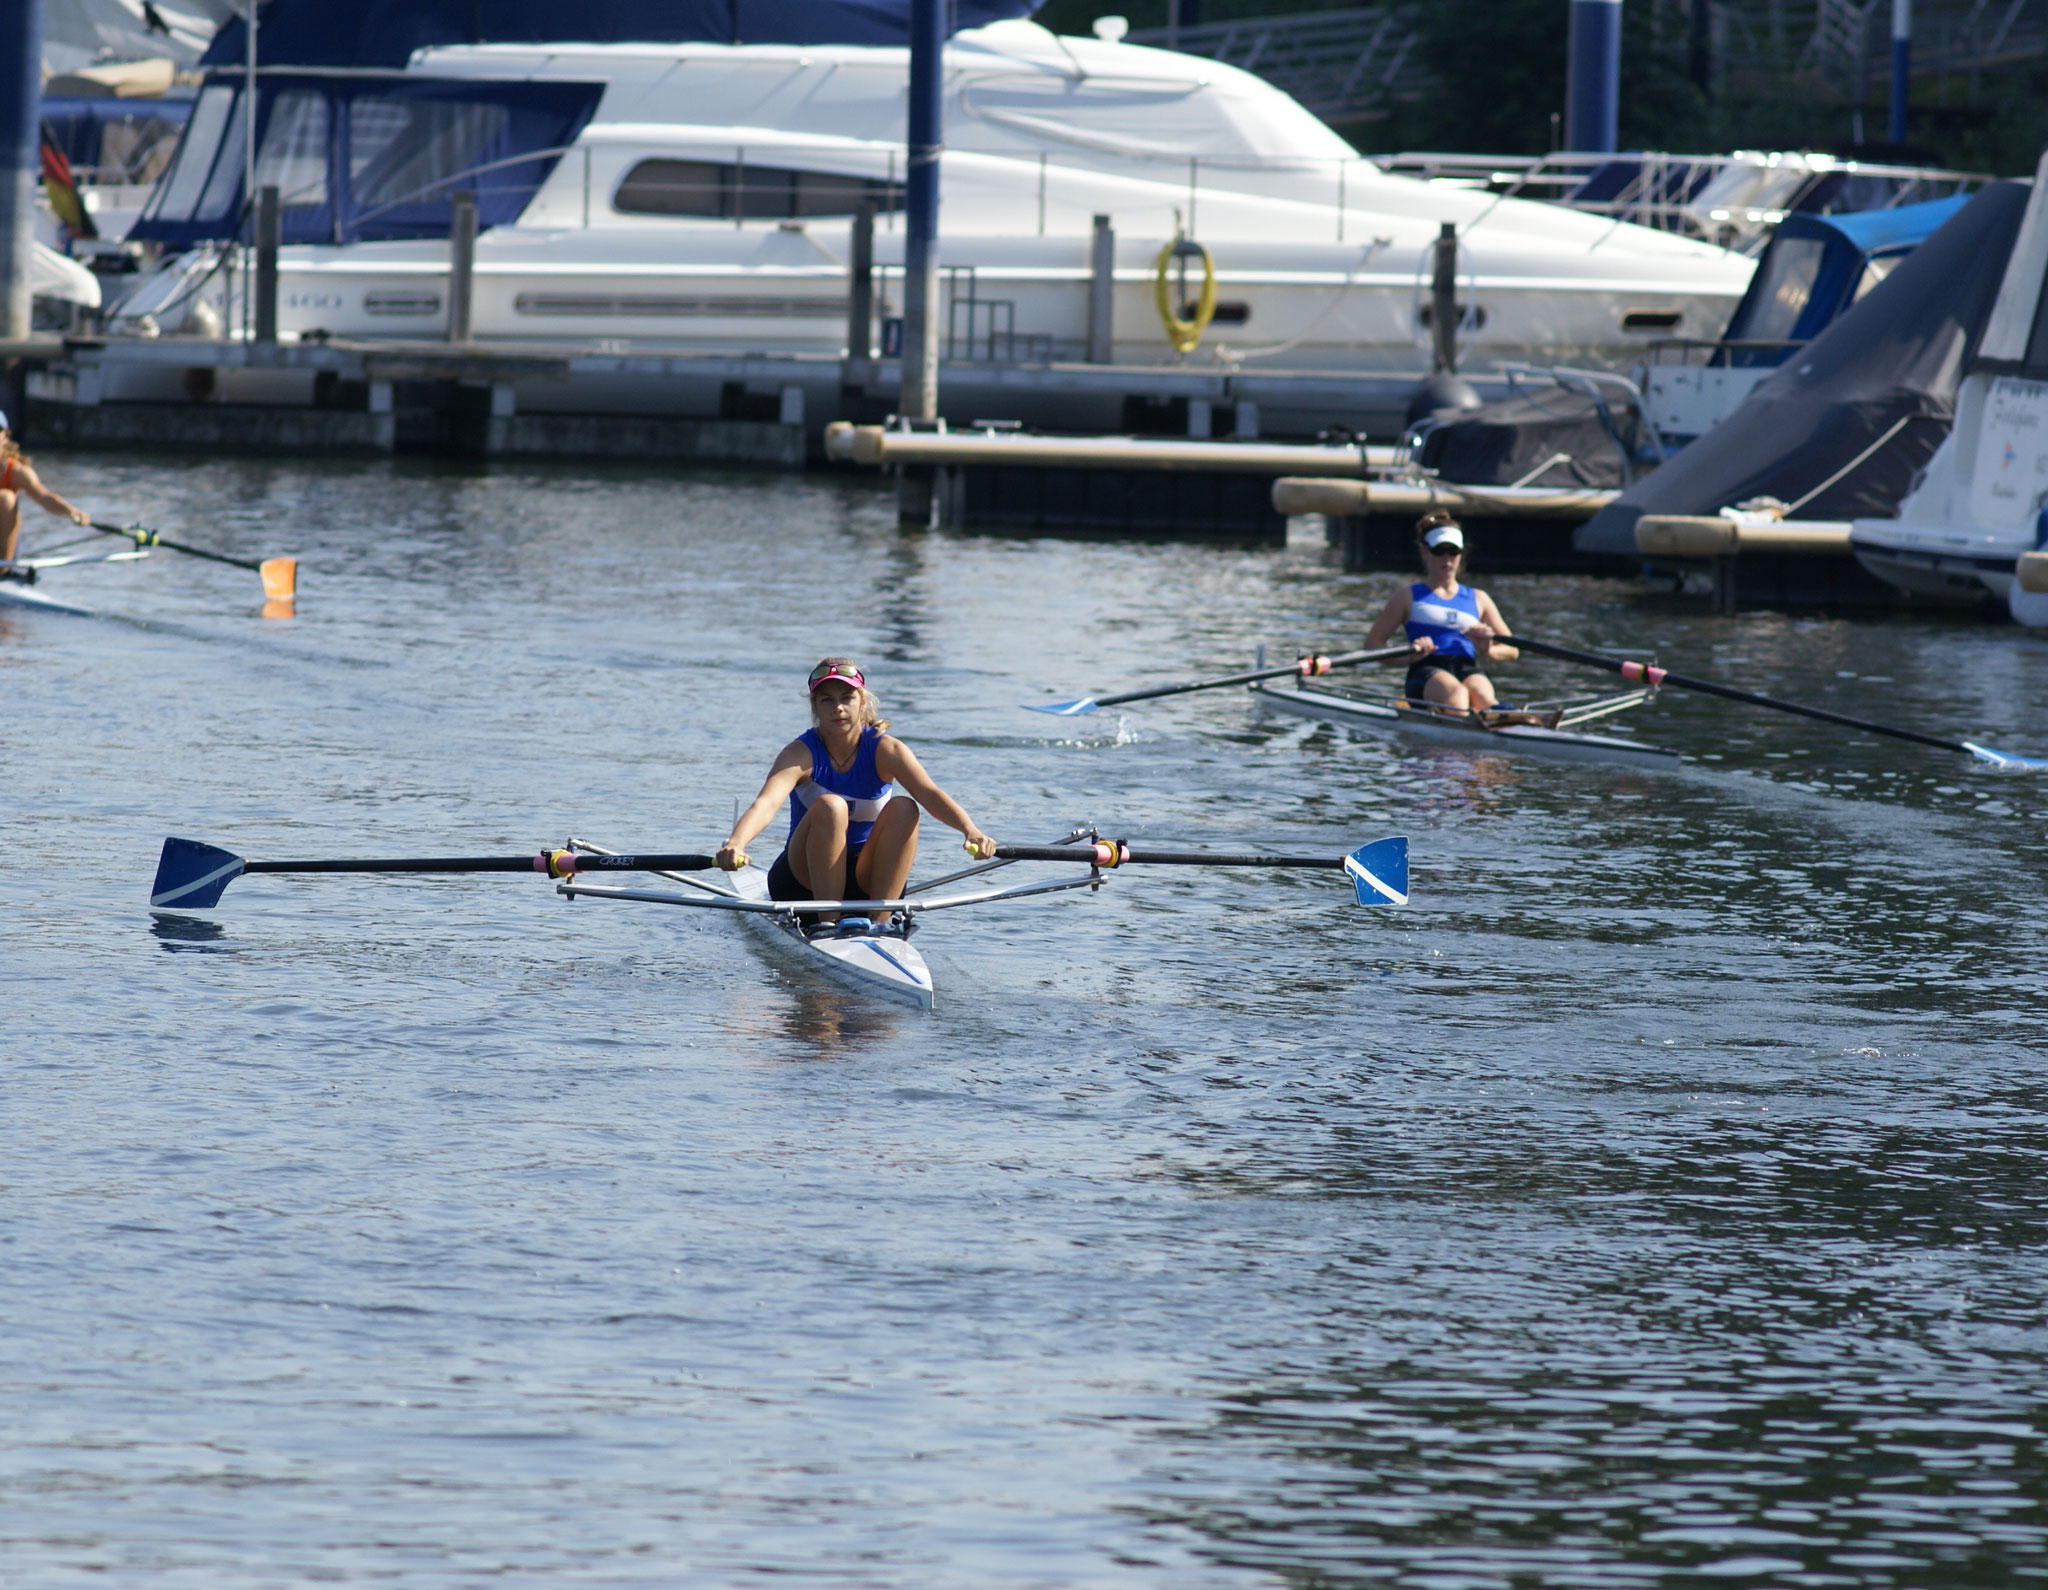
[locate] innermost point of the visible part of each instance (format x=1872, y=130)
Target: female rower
x=850, y=836
x=1453, y=626
x=18, y=480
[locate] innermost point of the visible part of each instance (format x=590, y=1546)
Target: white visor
x=1445, y=535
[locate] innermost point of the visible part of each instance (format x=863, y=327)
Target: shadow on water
x=190, y=935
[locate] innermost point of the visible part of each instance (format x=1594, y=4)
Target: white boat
x=700, y=197
x=18, y=581
x=1535, y=728
x=1980, y=507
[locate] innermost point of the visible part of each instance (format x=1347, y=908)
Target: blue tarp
x=386, y=32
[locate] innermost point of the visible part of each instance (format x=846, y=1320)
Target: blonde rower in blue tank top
x=1453, y=627
x=851, y=835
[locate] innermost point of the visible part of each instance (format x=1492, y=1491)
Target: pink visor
x=845, y=673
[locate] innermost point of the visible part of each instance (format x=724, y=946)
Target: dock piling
x=461, y=264
x=1102, y=293
x=21, y=98
x=269, y=233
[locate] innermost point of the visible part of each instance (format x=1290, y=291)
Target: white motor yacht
x=700, y=197
x=1981, y=506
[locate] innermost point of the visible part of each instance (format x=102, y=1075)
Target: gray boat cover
x=1505, y=443
x=1881, y=381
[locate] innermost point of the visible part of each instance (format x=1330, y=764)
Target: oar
x=1306, y=668
x=280, y=575
x=195, y=875
x=1655, y=677
x=1378, y=871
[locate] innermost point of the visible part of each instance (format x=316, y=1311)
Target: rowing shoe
x=193, y=876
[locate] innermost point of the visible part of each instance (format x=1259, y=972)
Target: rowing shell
x=886, y=964
x=19, y=593
x=1558, y=738
x=881, y=963
x=17, y=588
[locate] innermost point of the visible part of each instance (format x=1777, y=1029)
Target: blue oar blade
x=191, y=876
x=2005, y=759
x=1379, y=871
x=1063, y=709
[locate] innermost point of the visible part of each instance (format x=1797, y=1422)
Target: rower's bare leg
x=1479, y=690
x=10, y=524
x=817, y=850
x=884, y=865
x=1445, y=691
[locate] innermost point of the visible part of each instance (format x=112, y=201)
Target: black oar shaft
x=150, y=538
x=1380, y=654
x=1661, y=676
x=1120, y=855
x=562, y=862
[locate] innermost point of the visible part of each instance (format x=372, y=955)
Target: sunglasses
x=1445, y=552
x=845, y=675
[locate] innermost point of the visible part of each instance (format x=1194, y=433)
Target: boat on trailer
x=1539, y=728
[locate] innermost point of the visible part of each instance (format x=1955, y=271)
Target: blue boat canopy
x=363, y=157
x=374, y=33
x=1816, y=266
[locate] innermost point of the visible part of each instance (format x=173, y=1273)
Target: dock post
x=1102, y=294
x=21, y=100
x=269, y=233
x=860, y=301
x=1902, y=68
x=919, y=396
x=1201, y=419
x=1592, y=94
x=461, y=263
x=1245, y=421
x=1443, y=300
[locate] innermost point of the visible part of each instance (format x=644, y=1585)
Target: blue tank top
x=1443, y=620
x=864, y=790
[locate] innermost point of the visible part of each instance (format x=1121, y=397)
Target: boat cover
x=1840, y=431
x=1505, y=443
x=386, y=32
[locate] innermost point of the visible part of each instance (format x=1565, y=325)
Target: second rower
x=18, y=480
x=1455, y=627
x=851, y=837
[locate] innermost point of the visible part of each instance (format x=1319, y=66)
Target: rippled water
x=1657, y=1200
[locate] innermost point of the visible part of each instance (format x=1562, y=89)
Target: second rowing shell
x=888, y=964
x=1334, y=706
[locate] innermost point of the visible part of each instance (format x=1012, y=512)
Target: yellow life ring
x=1184, y=334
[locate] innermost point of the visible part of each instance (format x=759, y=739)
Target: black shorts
x=782, y=884
x=1459, y=668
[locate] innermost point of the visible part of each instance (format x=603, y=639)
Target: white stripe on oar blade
x=1382, y=868
x=179, y=883
x=1063, y=709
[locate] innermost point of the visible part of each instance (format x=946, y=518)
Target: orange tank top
x=7, y=475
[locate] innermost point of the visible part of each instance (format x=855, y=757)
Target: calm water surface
x=1658, y=1200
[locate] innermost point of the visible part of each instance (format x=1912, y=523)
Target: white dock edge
x=1690, y=536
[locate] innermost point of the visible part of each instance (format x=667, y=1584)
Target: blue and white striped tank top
x=864, y=790
x=1443, y=619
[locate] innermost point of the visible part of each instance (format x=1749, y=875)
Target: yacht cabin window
x=707, y=189
x=293, y=155
x=180, y=191
x=1793, y=266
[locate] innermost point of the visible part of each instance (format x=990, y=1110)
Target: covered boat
x=1840, y=431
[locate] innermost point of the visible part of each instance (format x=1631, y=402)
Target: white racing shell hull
x=18, y=593
x=888, y=965
x=1569, y=744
